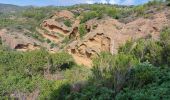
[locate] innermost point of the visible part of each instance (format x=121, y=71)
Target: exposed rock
x=56, y=30
x=18, y=41
x=52, y=25
x=104, y=34
x=63, y=14
x=108, y=34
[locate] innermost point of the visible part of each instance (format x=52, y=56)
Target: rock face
x=18, y=41
x=105, y=34
x=102, y=35
x=56, y=29
x=108, y=34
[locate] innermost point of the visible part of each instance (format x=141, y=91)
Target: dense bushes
x=165, y=42
x=155, y=88
x=147, y=50
x=89, y=15
x=61, y=61
x=92, y=93
x=99, y=11
x=110, y=67
x=141, y=75
x=23, y=72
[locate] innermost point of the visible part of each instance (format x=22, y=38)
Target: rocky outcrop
x=63, y=14
x=53, y=25
x=101, y=36
x=108, y=34
x=19, y=41
x=55, y=28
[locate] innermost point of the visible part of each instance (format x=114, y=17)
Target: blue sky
x=69, y=2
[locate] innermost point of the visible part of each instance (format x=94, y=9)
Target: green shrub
x=165, y=41
x=113, y=12
x=61, y=61
x=4, y=22
x=145, y=50
x=54, y=90
x=141, y=75
x=81, y=73
x=154, y=2
x=157, y=86
x=82, y=30
x=112, y=70
x=139, y=10
x=48, y=41
x=92, y=93
x=35, y=61
x=68, y=23
x=52, y=45
x=89, y=15
x=66, y=40
x=35, y=13
x=62, y=89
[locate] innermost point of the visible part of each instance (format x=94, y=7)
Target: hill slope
x=7, y=8
x=86, y=52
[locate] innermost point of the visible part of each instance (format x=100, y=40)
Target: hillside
x=8, y=8
x=85, y=52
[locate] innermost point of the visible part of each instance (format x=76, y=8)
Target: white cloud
x=128, y=2
x=115, y=1
x=103, y=1
x=90, y=1
x=121, y=2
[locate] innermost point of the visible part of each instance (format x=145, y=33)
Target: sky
x=69, y=2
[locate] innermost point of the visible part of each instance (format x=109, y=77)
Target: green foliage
x=112, y=69
x=82, y=30
x=48, y=40
x=165, y=41
x=142, y=74
x=68, y=23
x=139, y=10
x=92, y=93
x=14, y=82
x=66, y=40
x=144, y=50
x=155, y=2
x=89, y=15
x=81, y=72
x=54, y=90
x=61, y=61
x=7, y=22
x=99, y=11
x=35, y=61
x=23, y=72
x=52, y=45
x=129, y=75
x=153, y=90
x=36, y=13
x=30, y=63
